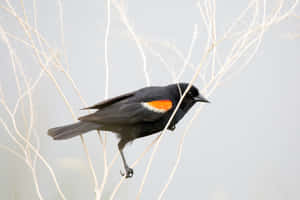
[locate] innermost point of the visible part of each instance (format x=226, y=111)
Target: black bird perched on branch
x=134, y=115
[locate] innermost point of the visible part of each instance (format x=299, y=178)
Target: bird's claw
x=128, y=172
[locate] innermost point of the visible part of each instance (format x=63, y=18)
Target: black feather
x=72, y=130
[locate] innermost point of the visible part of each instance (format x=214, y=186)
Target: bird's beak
x=201, y=99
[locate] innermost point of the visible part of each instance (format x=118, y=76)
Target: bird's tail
x=72, y=130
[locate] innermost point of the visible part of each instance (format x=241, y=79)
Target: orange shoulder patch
x=159, y=105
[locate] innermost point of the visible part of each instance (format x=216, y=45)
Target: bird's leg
x=128, y=170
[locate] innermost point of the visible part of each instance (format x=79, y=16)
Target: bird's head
x=192, y=96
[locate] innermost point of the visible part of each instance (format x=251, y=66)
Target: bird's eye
x=190, y=93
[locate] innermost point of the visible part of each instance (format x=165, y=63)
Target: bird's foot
x=172, y=128
x=128, y=172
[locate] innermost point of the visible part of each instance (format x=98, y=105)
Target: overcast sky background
x=244, y=145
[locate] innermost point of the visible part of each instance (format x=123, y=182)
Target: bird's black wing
x=130, y=112
x=109, y=102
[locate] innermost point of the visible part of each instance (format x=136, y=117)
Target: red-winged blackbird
x=134, y=115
